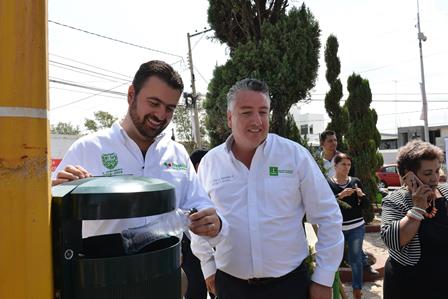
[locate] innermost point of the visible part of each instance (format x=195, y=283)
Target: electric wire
x=114, y=39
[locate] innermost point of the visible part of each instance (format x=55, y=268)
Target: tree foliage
x=363, y=138
x=102, y=120
x=285, y=57
x=237, y=22
x=337, y=113
x=65, y=129
x=182, y=121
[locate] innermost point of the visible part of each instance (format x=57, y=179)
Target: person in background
x=329, y=143
x=349, y=190
x=190, y=263
x=264, y=184
x=414, y=226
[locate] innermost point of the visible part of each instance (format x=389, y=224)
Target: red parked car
x=388, y=176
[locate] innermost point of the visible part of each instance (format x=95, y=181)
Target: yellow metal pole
x=25, y=245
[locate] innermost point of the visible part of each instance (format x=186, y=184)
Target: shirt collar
x=264, y=145
x=117, y=128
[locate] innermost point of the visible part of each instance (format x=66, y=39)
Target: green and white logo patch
x=273, y=170
x=175, y=166
x=110, y=160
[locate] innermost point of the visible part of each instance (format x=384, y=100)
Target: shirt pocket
x=281, y=196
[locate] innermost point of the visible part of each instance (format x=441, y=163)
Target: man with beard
x=139, y=145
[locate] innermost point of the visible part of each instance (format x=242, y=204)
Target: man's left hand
x=318, y=291
x=205, y=223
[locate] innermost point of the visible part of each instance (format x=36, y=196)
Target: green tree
x=338, y=114
x=237, y=22
x=285, y=57
x=102, y=120
x=363, y=138
x=65, y=129
x=182, y=121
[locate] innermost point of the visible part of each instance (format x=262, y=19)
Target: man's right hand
x=70, y=173
x=210, y=283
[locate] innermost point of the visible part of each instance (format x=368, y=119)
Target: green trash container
x=97, y=267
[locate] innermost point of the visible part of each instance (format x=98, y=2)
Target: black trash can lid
x=115, y=197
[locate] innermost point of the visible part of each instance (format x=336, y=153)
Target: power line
x=397, y=63
x=388, y=101
x=393, y=94
x=85, y=71
x=90, y=96
x=83, y=92
x=91, y=87
x=202, y=77
x=90, y=65
x=116, y=40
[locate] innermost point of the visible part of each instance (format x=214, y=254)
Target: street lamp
x=421, y=37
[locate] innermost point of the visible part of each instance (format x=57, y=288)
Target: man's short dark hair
x=197, y=155
x=324, y=135
x=159, y=69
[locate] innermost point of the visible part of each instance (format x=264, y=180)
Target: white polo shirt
x=264, y=206
x=112, y=152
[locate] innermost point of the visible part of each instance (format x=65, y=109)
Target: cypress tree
x=284, y=54
x=363, y=138
x=338, y=114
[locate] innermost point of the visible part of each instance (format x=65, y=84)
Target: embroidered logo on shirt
x=109, y=160
x=274, y=171
x=221, y=180
x=175, y=166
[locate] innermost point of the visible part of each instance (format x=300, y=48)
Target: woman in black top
x=348, y=191
x=415, y=226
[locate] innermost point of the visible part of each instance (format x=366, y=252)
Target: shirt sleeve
x=322, y=209
x=71, y=157
x=197, y=198
x=202, y=249
x=391, y=215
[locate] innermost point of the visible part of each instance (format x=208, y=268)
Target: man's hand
x=210, y=283
x=205, y=223
x=70, y=173
x=318, y=291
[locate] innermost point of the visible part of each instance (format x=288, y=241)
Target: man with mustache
x=139, y=145
x=263, y=185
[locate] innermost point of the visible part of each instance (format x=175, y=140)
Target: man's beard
x=140, y=124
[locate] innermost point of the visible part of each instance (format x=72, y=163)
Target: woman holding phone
x=415, y=226
x=348, y=191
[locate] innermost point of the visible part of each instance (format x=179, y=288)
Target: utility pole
x=421, y=37
x=25, y=264
x=194, y=96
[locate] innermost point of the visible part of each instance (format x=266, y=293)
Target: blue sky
x=377, y=39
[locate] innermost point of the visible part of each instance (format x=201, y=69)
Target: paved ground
x=373, y=244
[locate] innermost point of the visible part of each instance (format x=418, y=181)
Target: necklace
x=342, y=185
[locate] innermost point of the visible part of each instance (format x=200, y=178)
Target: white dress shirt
x=264, y=207
x=112, y=152
x=329, y=165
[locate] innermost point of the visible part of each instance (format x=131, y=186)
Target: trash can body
x=97, y=267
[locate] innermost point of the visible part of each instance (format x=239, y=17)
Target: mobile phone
x=411, y=180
